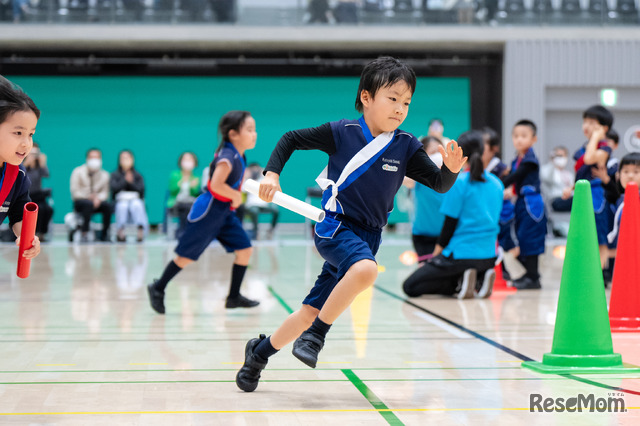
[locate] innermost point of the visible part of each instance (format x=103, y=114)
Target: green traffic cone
x=582, y=336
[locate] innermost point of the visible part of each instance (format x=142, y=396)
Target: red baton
x=29, y=219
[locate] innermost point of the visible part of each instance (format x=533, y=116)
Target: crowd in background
x=121, y=194
x=535, y=201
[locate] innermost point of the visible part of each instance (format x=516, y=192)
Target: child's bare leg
x=293, y=326
x=182, y=262
x=358, y=278
x=243, y=256
x=604, y=255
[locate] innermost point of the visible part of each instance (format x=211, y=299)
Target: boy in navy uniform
x=530, y=219
x=593, y=155
x=18, y=119
x=368, y=159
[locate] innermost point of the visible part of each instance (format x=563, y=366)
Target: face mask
x=436, y=127
x=187, y=165
x=94, y=164
x=560, y=162
x=437, y=159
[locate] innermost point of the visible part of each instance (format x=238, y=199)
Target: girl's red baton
x=29, y=219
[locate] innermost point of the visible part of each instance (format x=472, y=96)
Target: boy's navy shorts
x=211, y=219
x=341, y=243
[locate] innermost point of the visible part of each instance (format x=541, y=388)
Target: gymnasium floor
x=81, y=346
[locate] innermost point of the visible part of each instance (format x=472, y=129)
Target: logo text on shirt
x=389, y=168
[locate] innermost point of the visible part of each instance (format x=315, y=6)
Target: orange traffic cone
x=624, y=306
x=500, y=284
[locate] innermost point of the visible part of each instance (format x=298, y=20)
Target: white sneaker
x=487, y=284
x=468, y=284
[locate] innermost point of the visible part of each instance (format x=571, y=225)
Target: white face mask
x=560, y=162
x=187, y=165
x=94, y=164
x=437, y=159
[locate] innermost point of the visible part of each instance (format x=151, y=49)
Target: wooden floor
x=81, y=346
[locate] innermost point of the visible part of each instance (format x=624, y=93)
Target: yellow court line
x=355, y=410
x=53, y=365
x=148, y=363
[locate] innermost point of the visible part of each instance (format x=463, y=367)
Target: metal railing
x=324, y=12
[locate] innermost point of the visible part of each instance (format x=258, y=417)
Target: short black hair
x=632, y=158
x=90, y=150
x=528, y=123
x=599, y=113
x=613, y=135
x=384, y=72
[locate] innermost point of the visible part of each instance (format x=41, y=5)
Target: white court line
x=443, y=325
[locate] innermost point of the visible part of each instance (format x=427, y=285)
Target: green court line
x=429, y=330
x=239, y=339
x=352, y=378
x=372, y=398
x=165, y=370
x=280, y=299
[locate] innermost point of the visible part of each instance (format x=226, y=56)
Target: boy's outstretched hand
x=269, y=185
x=452, y=156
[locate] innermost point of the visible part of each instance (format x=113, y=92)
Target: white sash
x=364, y=155
x=611, y=236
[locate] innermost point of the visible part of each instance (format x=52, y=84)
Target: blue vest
x=367, y=195
x=238, y=164
x=532, y=180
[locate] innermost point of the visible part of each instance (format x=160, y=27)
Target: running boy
x=212, y=214
x=530, y=220
x=18, y=118
x=368, y=159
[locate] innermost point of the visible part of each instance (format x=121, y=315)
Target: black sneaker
x=249, y=375
x=156, y=297
x=526, y=283
x=307, y=347
x=240, y=302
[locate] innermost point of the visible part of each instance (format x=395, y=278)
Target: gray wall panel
x=538, y=72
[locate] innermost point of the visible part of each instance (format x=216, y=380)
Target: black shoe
x=240, y=302
x=249, y=375
x=156, y=297
x=307, y=347
x=526, y=283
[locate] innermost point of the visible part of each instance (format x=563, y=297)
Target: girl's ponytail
x=472, y=145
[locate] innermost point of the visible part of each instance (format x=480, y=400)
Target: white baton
x=287, y=201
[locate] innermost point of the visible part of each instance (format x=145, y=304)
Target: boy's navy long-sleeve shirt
x=369, y=199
